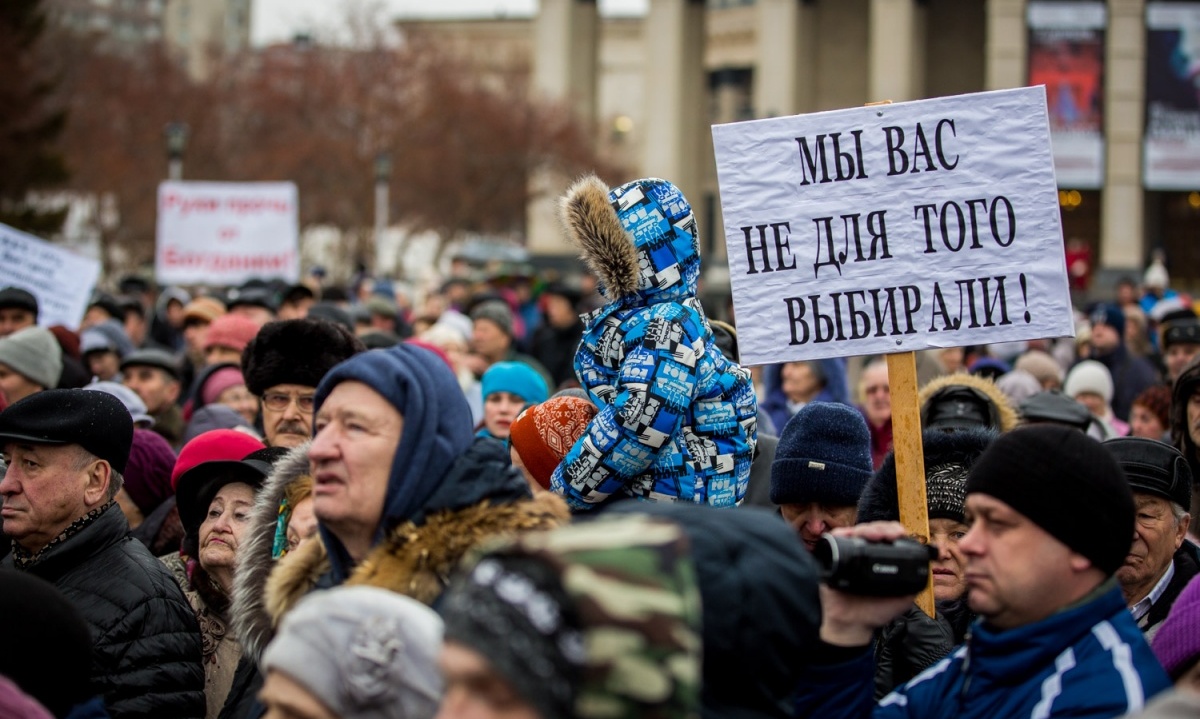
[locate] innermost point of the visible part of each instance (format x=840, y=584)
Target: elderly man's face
x=43, y=492
x=1014, y=567
x=1156, y=536
x=157, y=389
x=351, y=457
x=812, y=519
x=287, y=414
x=876, y=394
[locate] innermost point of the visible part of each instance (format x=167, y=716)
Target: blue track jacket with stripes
x=1088, y=661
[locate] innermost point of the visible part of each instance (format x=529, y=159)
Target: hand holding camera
x=877, y=563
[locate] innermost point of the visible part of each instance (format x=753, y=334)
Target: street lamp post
x=383, y=174
x=176, y=134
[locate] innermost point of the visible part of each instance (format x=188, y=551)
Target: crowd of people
x=535, y=499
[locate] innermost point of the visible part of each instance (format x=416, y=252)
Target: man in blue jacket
x=1051, y=514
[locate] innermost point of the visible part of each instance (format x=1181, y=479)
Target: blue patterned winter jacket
x=677, y=419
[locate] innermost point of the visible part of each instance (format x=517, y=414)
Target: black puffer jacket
x=761, y=610
x=146, y=654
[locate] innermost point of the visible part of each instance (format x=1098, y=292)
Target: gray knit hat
x=34, y=353
x=364, y=652
x=497, y=312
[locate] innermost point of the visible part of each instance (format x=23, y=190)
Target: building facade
x=1122, y=78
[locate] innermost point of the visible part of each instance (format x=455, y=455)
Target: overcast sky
x=280, y=20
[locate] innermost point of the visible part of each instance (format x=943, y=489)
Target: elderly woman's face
x=224, y=526
x=949, y=569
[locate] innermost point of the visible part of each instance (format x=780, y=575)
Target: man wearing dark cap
x=295, y=302
x=493, y=339
x=65, y=451
x=1161, y=561
x=822, y=464
x=1180, y=343
x=18, y=310
x=284, y=364
x=155, y=375
x=255, y=303
x=1047, y=507
x=1131, y=375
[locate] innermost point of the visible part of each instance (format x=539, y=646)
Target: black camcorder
x=874, y=569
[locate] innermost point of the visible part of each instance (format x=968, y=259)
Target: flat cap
x=160, y=359
x=1154, y=467
x=96, y=421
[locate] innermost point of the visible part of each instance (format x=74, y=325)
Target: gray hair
x=83, y=458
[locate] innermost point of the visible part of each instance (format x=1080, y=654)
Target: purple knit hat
x=148, y=472
x=1177, y=643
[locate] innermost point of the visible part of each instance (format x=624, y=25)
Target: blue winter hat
x=517, y=378
x=1104, y=313
x=824, y=456
x=437, y=429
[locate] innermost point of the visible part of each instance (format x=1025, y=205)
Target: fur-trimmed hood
x=415, y=559
x=639, y=238
x=1003, y=415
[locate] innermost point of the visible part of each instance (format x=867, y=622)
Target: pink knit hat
x=232, y=331
x=220, y=381
x=1177, y=643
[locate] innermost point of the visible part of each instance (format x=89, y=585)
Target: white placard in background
x=894, y=228
x=61, y=280
x=224, y=233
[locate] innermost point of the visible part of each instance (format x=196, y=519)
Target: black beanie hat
x=96, y=421
x=296, y=352
x=1066, y=483
x=824, y=455
x=949, y=456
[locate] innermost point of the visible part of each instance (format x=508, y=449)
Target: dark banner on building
x=1172, y=139
x=1066, y=54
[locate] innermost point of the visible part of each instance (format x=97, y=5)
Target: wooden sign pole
x=910, y=456
x=909, y=452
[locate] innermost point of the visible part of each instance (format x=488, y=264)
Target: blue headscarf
x=437, y=430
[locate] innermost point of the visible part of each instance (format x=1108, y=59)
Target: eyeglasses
x=277, y=401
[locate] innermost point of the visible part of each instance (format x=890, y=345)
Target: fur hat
x=296, y=352
x=33, y=353
x=824, y=455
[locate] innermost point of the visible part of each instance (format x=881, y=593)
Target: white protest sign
x=894, y=228
x=224, y=233
x=61, y=280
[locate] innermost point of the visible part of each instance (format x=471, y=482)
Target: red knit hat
x=544, y=433
x=219, y=445
x=232, y=331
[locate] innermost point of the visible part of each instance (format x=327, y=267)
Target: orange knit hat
x=544, y=433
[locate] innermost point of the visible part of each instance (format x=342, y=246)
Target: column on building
x=785, y=79
x=565, y=68
x=896, y=53
x=676, y=132
x=1006, y=44
x=1123, y=210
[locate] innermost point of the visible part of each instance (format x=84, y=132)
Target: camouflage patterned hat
x=598, y=620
